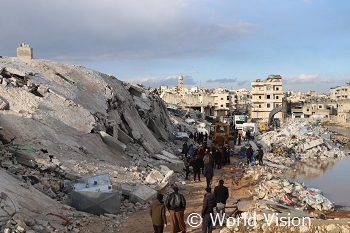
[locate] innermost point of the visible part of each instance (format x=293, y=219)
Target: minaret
x=180, y=84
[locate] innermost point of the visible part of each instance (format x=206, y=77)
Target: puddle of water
x=332, y=177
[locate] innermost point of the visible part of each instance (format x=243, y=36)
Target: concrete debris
x=154, y=177
x=86, y=123
x=143, y=194
x=297, y=146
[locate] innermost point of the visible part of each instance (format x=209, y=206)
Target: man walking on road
x=157, y=212
x=208, y=208
x=221, y=195
x=208, y=173
x=176, y=204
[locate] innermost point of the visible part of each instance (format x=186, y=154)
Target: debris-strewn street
x=81, y=151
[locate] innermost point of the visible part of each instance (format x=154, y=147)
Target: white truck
x=239, y=121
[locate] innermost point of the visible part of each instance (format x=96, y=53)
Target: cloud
x=305, y=78
x=229, y=80
x=157, y=82
x=222, y=80
x=115, y=30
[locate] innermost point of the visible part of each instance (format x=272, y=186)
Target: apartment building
x=339, y=93
x=266, y=95
x=223, y=103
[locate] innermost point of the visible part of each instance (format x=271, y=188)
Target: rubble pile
x=299, y=140
x=275, y=194
x=60, y=123
x=274, y=187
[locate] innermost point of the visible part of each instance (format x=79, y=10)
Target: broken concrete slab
x=164, y=169
x=160, y=132
x=127, y=189
x=176, y=166
x=313, y=144
x=143, y=194
x=169, y=155
x=112, y=142
x=170, y=178
x=123, y=137
x=154, y=177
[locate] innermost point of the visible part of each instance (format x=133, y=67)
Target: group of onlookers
x=175, y=203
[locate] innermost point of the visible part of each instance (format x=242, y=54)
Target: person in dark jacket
x=260, y=156
x=239, y=139
x=187, y=166
x=217, y=157
x=197, y=164
x=221, y=195
x=184, y=148
x=176, y=204
x=249, y=154
x=247, y=135
x=157, y=212
x=208, y=208
x=208, y=174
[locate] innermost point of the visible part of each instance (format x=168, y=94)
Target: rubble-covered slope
x=62, y=109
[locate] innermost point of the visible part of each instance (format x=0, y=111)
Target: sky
x=221, y=43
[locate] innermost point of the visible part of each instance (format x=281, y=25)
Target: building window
x=268, y=97
x=228, y=98
x=227, y=105
x=221, y=105
x=259, y=105
x=222, y=98
x=268, y=105
x=260, y=97
x=277, y=88
x=277, y=97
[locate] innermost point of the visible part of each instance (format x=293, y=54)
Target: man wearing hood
x=157, y=212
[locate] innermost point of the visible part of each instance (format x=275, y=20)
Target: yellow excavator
x=221, y=135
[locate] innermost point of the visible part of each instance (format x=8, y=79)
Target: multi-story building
x=243, y=99
x=224, y=104
x=343, y=111
x=342, y=92
x=266, y=95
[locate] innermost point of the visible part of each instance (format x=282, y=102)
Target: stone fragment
x=143, y=194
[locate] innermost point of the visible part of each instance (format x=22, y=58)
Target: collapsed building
x=63, y=123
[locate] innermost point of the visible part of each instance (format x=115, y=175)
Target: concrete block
x=112, y=142
x=176, y=166
x=313, y=144
x=164, y=169
x=170, y=178
x=154, y=177
x=127, y=189
x=143, y=194
x=169, y=155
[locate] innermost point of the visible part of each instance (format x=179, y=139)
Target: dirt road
x=194, y=193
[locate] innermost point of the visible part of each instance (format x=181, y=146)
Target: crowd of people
x=204, y=161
